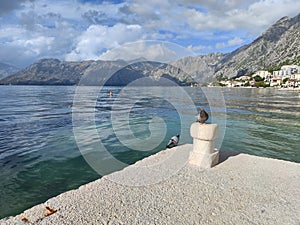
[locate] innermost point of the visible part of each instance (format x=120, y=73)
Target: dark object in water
x=173, y=141
x=202, y=116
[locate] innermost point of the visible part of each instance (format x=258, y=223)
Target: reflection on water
x=264, y=122
x=39, y=157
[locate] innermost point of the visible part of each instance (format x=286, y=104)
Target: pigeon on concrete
x=202, y=116
x=173, y=141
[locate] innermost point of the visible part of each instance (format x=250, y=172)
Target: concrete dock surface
x=241, y=189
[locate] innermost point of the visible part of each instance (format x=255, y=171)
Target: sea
x=48, y=134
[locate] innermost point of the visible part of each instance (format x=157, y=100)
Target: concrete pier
x=241, y=189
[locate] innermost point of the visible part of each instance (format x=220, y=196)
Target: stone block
x=204, y=147
x=204, y=161
x=204, y=155
x=208, y=132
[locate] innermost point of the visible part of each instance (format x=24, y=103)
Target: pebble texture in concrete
x=242, y=189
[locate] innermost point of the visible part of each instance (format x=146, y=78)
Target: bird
x=173, y=141
x=202, y=116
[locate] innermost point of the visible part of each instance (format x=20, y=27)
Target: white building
x=290, y=69
x=287, y=70
x=275, y=82
x=244, y=78
x=296, y=76
x=277, y=73
x=262, y=73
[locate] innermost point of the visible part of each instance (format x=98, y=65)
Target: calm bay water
x=39, y=156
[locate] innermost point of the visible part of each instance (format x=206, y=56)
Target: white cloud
x=198, y=47
x=74, y=30
x=255, y=16
x=22, y=52
x=96, y=39
x=31, y=45
x=69, y=10
x=36, y=45
x=147, y=50
x=215, y=5
x=11, y=32
x=235, y=41
x=232, y=42
x=220, y=45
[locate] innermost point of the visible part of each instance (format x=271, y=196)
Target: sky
x=74, y=30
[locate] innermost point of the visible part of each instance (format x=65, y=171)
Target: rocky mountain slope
x=277, y=45
x=55, y=72
x=49, y=71
x=6, y=70
x=280, y=43
x=200, y=68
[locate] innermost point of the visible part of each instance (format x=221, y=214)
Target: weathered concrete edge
x=40, y=211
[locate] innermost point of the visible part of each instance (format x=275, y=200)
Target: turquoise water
x=40, y=158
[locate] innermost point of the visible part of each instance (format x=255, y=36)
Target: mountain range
x=6, y=70
x=280, y=44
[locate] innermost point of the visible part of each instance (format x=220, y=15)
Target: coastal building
x=276, y=81
x=239, y=84
x=290, y=69
x=244, y=78
x=252, y=83
x=227, y=83
x=291, y=83
x=297, y=76
x=262, y=73
x=277, y=73
x=288, y=76
x=287, y=71
x=268, y=79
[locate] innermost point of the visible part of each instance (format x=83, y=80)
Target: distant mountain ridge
x=278, y=44
x=113, y=73
x=6, y=70
x=49, y=72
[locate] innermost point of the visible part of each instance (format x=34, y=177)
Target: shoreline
x=241, y=189
x=277, y=88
